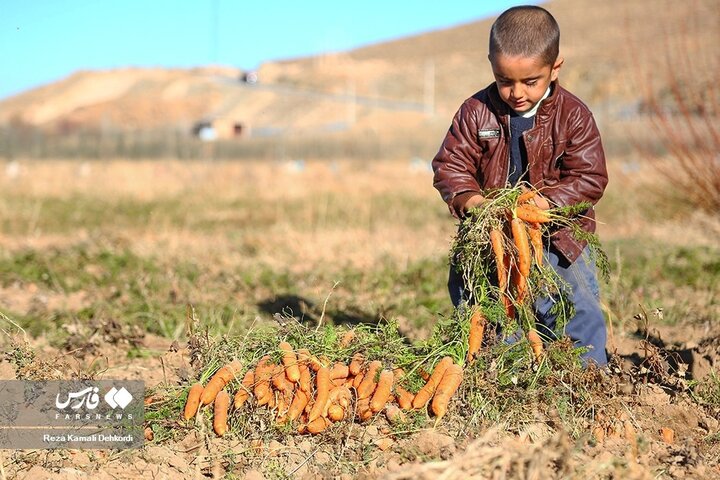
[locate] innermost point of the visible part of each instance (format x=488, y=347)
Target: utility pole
x=352, y=102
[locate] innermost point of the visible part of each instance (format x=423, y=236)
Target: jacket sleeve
x=583, y=173
x=455, y=164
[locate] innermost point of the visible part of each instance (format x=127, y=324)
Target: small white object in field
x=12, y=169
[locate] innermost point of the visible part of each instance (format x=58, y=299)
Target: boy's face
x=522, y=81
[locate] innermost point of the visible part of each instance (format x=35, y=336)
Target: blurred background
x=242, y=80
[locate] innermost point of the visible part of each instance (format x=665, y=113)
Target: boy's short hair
x=526, y=31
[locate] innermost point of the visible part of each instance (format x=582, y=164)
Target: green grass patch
x=28, y=214
x=683, y=281
x=707, y=391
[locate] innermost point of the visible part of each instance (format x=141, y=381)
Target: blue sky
x=42, y=41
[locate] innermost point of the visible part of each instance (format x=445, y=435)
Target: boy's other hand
x=473, y=201
x=540, y=202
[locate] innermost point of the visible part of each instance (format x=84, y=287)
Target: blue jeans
x=587, y=327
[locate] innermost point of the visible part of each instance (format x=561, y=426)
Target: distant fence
x=28, y=142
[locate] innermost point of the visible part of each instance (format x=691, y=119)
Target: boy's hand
x=537, y=200
x=474, y=201
x=540, y=202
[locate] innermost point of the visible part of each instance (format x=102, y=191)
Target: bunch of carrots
x=505, y=239
x=524, y=223
x=514, y=264
x=313, y=394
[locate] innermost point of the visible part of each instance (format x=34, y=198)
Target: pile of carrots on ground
x=306, y=390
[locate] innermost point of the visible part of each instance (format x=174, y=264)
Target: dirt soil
x=633, y=445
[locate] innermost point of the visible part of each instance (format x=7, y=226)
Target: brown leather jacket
x=565, y=156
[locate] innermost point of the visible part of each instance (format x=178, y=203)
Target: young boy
x=525, y=127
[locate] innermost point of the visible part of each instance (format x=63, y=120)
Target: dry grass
x=290, y=214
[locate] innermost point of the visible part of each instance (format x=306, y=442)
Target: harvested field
x=98, y=262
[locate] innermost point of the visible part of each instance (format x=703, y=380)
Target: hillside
x=607, y=47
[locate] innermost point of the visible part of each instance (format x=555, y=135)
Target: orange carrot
x=315, y=363
x=535, y=235
x=340, y=395
x=336, y=412
x=318, y=425
x=496, y=240
x=509, y=307
x=404, y=398
x=477, y=329
x=218, y=381
x=339, y=370
x=507, y=301
x=304, y=356
x=526, y=196
x=290, y=361
x=220, y=413
x=446, y=389
x=367, y=386
x=536, y=344
x=305, y=378
x=323, y=390
x=267, y=398
x=531, y=213
x=520, y=284
x=382, y=391
x=522, y=270
x=263, y=373
x=356, y=363
x=280, y=380
x=425, y=393
x=243, y=392
x=347, y=338
x=357, y=381
x=297, y=405
x=272, y=400
x=363, y=409
x=193, y=401
x=523, y=246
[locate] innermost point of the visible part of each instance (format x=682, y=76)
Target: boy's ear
x=556, y=68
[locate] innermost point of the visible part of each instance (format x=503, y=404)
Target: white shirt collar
x=533, y=111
